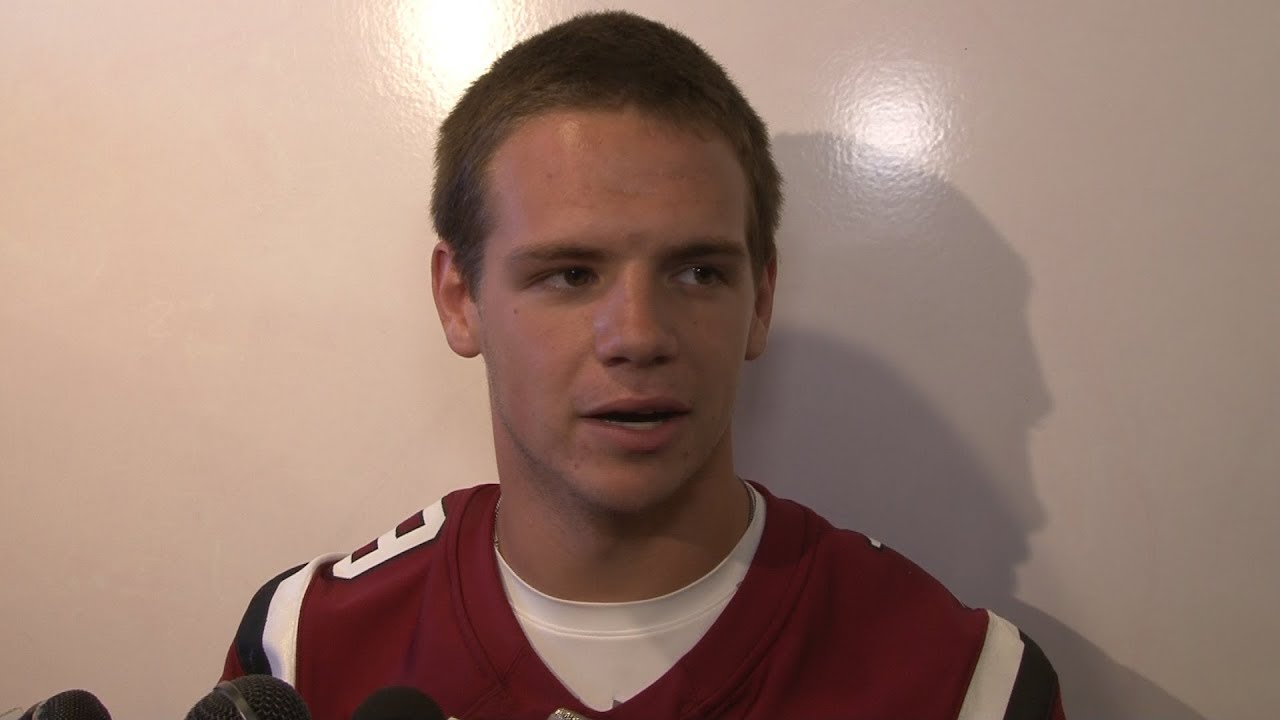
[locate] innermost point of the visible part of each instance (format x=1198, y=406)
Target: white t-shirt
x=606, y=653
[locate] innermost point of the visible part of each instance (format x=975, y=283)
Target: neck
x=583, y=554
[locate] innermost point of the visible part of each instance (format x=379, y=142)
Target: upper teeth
x=616, y=421
x=636, y=419
x=639, y=416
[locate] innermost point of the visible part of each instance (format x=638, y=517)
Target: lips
x=638, y=411
x=637, y=425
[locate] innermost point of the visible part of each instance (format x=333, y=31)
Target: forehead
x=610, y=172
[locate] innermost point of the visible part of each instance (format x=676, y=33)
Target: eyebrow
x=705, y=248
x=576, y=252
x=555, y=252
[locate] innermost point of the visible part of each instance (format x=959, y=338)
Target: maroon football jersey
x=826, y=624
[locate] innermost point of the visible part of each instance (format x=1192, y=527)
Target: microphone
x=68, y=705
x=398, y=703
x=251, y=697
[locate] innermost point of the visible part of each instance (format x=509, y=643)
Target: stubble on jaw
x=557, y=486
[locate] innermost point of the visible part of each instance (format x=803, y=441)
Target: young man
x=607, y=203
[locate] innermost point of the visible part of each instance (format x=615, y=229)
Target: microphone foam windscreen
x=214, y=706
x=398, y=703
x=269, y=698
x=73, y=705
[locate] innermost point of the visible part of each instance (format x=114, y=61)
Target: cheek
x=532, y=354
x=718, y=331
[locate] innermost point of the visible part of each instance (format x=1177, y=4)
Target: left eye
x=700, y=275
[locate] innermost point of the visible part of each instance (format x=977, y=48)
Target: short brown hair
x=610, y=60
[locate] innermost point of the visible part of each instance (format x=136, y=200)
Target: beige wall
x=1026, y=332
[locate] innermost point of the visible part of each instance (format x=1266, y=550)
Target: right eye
x=569, y=278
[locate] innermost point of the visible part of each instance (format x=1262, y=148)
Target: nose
x=633, y=324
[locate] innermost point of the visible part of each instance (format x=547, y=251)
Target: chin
x=631, y=490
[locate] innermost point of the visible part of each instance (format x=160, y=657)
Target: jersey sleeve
x=1012, y=679
x=266, y=640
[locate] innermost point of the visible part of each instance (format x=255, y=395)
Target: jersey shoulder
x=1005, y=674
x=346, y=586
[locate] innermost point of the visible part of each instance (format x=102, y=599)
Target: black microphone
x=68, y=705
x=398, y=703
x=251, y=697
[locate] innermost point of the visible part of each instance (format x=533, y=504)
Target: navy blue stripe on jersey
x=253, y=658
x=1036, y=686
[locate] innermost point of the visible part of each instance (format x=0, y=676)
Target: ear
x=762, y=311
x=459, y=315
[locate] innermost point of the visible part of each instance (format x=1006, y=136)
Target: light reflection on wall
x=897, y=139
x=453, y=42
x=898, y=112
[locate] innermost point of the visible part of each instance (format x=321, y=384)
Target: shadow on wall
x=910, y=421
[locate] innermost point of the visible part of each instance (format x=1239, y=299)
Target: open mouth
x=637, y=420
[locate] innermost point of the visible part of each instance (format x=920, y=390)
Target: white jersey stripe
x=280, y=632
x=995, y=672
